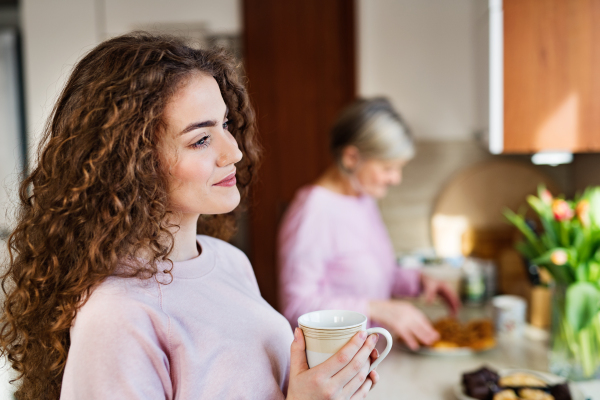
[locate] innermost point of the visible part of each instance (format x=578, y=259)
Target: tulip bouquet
x=568, y=247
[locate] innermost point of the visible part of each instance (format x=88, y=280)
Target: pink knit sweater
x=206, y=335
x=335, y=253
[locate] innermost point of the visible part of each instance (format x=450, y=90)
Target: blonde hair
x=375, y=129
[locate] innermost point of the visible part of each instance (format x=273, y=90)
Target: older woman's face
x=376, y=176
x=199, y=150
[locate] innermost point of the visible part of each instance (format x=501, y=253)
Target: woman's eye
x=226, y=125
x=202, y=142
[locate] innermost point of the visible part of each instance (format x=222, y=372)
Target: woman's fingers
x=374, y=355
x=424, y=331
x=450, y=297
x=430, y=292
x=357, y=364
x=374, y=376
x=356, y=382
x=408, y=337
x=339, y=360
x=298, y=362
x=363, y=391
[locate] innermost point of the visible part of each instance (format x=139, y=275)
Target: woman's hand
x=404, y=320
x=343, y=376
x=432, y=288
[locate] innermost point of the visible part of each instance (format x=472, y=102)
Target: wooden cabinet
x=299, y=58
x=545, y=79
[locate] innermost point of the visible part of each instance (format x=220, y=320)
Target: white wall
x=58, y=32
x=55, y=34
x=421, y=54
x=222, y=16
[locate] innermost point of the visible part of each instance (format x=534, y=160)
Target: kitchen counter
x=409, y=376
x=414, y=377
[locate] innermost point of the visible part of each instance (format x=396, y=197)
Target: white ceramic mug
x=327, y=331
x=509, y=314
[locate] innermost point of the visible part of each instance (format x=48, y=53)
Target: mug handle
x=388, y=346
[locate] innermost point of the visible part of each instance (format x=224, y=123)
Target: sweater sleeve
x=304, y=248
x=116, y=352
x=407, y=282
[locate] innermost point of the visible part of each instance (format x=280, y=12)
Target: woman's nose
x=230, y=151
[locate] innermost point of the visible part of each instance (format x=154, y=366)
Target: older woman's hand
x=404, y=320
x=343, y=376
x=433, y=288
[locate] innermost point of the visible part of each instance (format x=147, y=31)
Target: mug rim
x=506, y=301
x=308, y=323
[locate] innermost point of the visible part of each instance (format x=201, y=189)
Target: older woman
x=334, y=250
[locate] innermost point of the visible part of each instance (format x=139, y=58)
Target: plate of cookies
x=514, y=384
x=461, y=339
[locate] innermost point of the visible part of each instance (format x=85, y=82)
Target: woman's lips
x=228, y=181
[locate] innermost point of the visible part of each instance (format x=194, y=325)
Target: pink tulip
x=562, y=211
x=583, y=212
x=546, y=197
x=559, y=257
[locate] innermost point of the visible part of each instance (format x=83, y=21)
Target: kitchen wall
x=408, y=208
x=422, y=54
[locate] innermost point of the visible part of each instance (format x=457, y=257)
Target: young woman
x=110, y=294
x=334, y=250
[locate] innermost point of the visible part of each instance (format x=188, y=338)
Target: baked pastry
x=522, y=379
x=506, y=394
x=535, y=394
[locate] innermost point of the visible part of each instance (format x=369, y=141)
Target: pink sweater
x=335, y=253
x=206, y=335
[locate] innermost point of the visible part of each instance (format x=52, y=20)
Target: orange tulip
x=562, y=211
x=583, y=212
x=559, y=257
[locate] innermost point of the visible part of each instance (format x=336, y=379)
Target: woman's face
x=199, y=150
x=376, y=176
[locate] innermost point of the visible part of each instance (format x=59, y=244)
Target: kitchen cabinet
x=544, y=86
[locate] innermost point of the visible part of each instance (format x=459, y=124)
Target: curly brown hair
x=99, y=192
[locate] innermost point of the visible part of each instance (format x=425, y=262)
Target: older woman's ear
x=350, y=158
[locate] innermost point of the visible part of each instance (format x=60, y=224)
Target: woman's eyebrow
x=203, y=124
x=198, y=125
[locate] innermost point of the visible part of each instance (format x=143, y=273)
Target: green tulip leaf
x=594, y=271
x=582, y=272
x=582, y=304
x=593, y=196
x=529, y=234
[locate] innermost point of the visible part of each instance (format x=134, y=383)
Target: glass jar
x=574, y=355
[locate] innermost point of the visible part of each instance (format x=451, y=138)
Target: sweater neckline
x=194, y=268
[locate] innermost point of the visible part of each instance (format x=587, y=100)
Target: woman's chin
x=376, y=192
x=229, y=203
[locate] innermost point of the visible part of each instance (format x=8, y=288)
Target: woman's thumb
x=298, y=363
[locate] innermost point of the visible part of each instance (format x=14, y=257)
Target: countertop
x=404, y=375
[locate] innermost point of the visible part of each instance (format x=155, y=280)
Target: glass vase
x=573, y=355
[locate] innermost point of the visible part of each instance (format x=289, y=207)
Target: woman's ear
x=350, y=158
